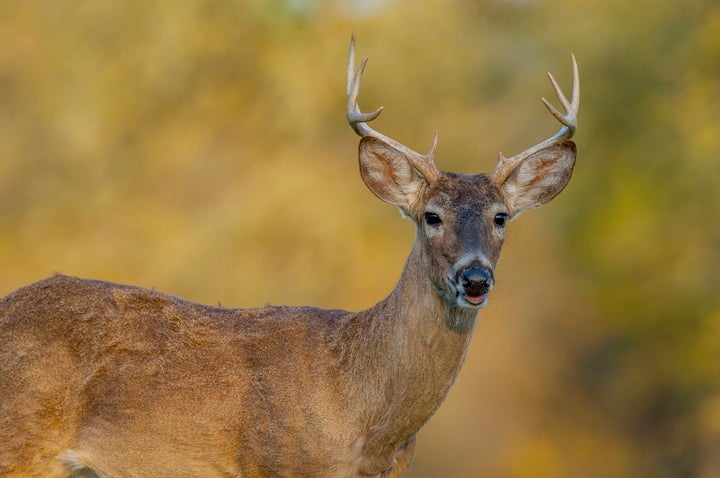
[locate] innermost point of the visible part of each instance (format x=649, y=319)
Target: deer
x=103, y=380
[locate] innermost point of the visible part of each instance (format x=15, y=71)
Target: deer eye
x=432, y=219
x=500, y=219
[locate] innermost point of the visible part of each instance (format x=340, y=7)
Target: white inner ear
x=529, y=184
x=397, y=169
x=539, y=178
x=389, y=174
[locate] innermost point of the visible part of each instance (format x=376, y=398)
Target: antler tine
x=570, y=118
x=506, y=166
x=355, y=117
x=358, y=120
x=351, y=64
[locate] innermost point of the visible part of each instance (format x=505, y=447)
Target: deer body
x=106, y=380
x=281, y=391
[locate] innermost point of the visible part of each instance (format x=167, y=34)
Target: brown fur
x=100, y=380
x=141, y=383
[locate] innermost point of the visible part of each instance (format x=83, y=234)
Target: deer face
x=461, y=227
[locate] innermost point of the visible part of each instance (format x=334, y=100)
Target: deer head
x=461, y=219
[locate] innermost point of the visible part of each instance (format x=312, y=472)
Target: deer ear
x=540, y=177
x=388, y=173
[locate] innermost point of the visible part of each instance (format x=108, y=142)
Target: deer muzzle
x=473, y=282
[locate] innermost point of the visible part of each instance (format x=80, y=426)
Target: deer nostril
x=476, y=280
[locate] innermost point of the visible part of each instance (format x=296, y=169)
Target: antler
x=358, y=120
x=506, y=166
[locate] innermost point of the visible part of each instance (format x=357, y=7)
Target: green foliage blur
x=200, y=147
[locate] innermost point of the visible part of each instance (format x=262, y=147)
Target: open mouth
x=473, y=300
x=469, y=286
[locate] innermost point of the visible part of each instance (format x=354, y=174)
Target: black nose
x=476, y=281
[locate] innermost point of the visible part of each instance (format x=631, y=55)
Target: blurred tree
x=200, y=146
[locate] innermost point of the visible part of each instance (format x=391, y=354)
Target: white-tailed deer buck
x=106, y=380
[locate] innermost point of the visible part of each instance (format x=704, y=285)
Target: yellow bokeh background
x=200, y=147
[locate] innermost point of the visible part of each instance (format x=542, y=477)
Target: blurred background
x=200, y=147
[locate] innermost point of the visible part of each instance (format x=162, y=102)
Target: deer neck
x=418, y=343
x=416, y=309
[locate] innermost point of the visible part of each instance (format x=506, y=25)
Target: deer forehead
x=454, y=192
